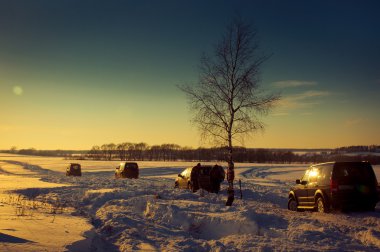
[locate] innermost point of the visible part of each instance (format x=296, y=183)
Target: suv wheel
x=370, y=207
x=292, y=204
x=321, y=205
x=190, y=186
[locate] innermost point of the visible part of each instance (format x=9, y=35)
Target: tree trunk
x=230, y=174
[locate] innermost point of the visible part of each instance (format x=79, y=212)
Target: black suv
x=73, y=169
x=127, y=170
x=335, y=185
x=201, y=176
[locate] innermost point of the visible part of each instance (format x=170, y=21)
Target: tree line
x=47, y=153
x=358, y=148
x=173, y=152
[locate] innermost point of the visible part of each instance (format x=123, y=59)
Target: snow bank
x=370, y=236
x=149, y=214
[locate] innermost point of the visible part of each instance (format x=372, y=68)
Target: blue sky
x=78, y=73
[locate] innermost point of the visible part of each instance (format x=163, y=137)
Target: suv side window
x=324, y=174
x=184, y=173
x=313, y=174
x=187, y=172
x=306, y=175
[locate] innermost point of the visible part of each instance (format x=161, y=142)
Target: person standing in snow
x=194, y=177
x=217, y=176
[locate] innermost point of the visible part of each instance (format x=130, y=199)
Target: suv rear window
x=354, y=172
x=131, y=166
x=75, y=167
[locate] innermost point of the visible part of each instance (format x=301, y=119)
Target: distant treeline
x=174, y=152
x=48, y=153
x=351, y=149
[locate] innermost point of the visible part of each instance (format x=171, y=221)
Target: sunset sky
x=74, y=74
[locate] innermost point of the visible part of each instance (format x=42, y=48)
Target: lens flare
x=17, y=90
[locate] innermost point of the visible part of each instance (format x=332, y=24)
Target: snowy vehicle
x=74, y=169
x=206, y=177
x=127, y=170
x=335, y=185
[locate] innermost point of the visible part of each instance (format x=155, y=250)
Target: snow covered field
x=148, y=214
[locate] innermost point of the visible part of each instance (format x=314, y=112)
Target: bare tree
x=227, y=101
x=104, y=151
x=95, y=152
x=108, y=150
x=122, y=151
x=13, y=149
x=140, y=149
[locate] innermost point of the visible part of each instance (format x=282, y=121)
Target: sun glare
x=17, y=90
x=313, y=173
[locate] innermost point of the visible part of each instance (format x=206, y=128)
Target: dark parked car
x=73, y=169
x=127, y=170
x=207, y=177
x=335, y=185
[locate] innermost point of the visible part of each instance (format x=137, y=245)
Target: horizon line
x=272, y=148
